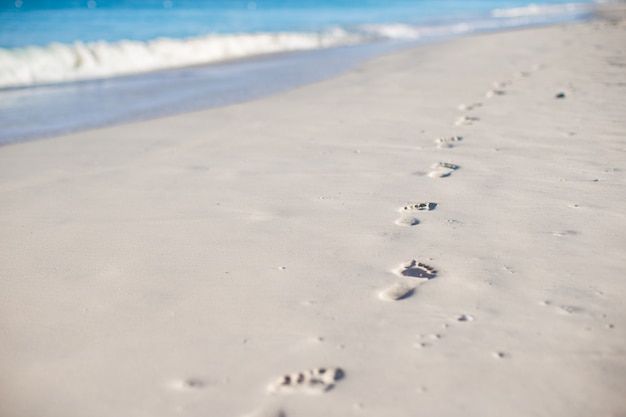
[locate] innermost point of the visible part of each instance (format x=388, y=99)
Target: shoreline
x=103, y=102
x=362, y=239
x=226, y=86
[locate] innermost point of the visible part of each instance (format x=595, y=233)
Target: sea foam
x=537, y=9
x=91, y=60
x=58, y=62
x=77, y=61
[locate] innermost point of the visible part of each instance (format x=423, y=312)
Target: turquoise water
x=118, y=60
x=40, y=22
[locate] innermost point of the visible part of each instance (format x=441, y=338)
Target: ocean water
x=67, y=65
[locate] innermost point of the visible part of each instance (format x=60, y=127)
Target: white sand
x=179, y=267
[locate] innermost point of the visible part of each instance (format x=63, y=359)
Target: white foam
x=77, y=61
x=399, y=31
x=392, y=31
x=536, y=10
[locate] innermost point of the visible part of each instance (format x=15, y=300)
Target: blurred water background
x=68, y=65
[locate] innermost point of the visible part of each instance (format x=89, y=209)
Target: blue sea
x=69, y=65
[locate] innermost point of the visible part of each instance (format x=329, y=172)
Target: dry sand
x=182, y=266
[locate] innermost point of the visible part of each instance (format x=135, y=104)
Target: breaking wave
x=538, y=9
x=79, y=61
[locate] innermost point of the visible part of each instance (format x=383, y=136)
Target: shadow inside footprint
x=312, y=381
x=416, y=269
x=419, y=207
x=447, y=142
x=339, y=374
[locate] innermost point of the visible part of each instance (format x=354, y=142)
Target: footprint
x=418, y=207
x=571, y=309
x=447, y=142
x=493, y=93
x=187, y=384
x=502, y=84
x=398, y=291
x=402, y=290
x=465, y=317
x=471, y=106
x=442, y=170
x=313, y=381
x=427, y=340
x=407, y=221
x=416, y=269
x=466, y=120
x=565, y=233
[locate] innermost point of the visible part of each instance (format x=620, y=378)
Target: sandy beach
x=440, y=232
